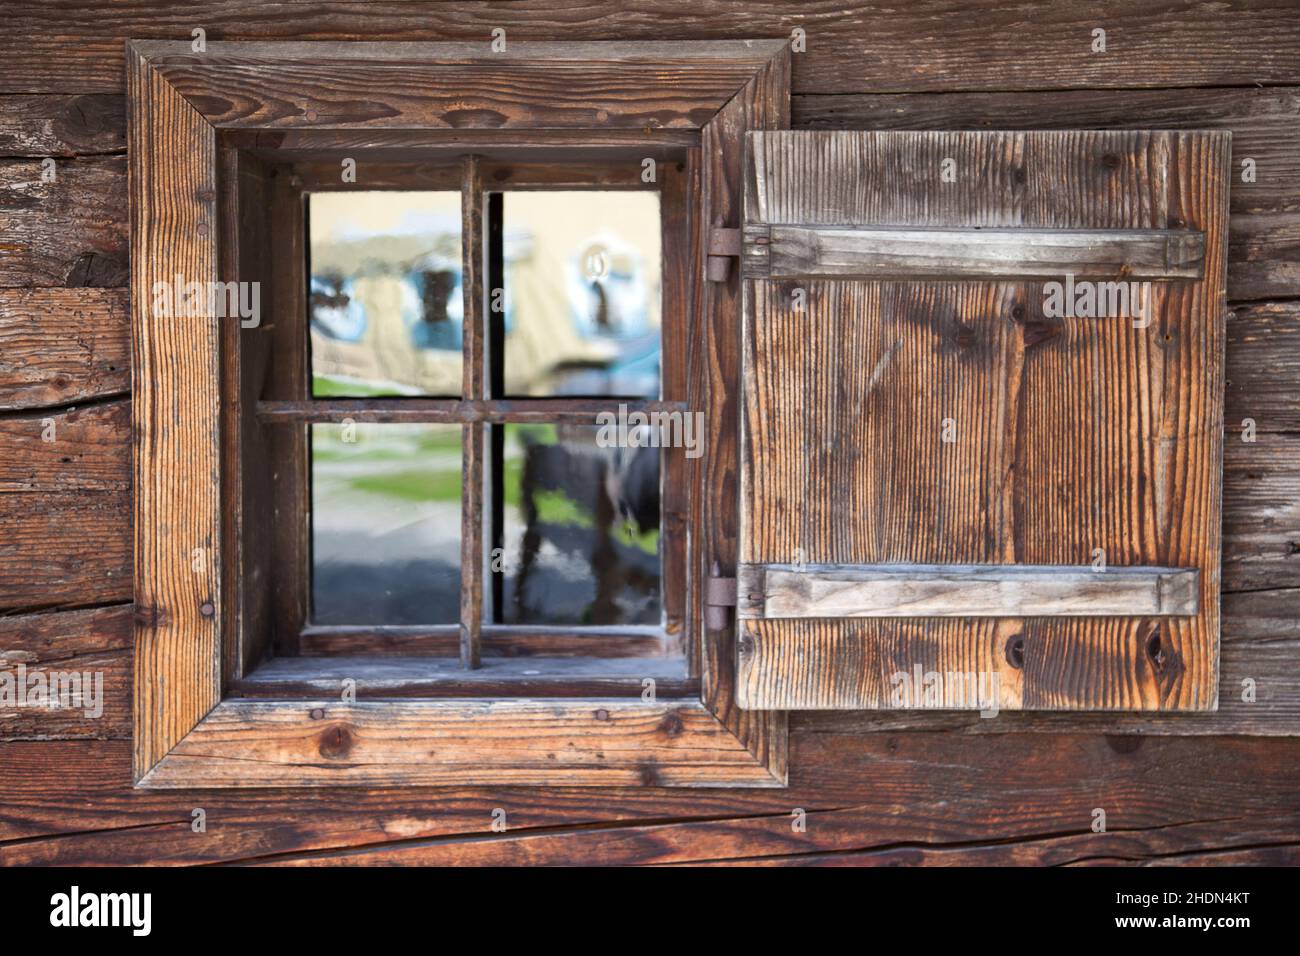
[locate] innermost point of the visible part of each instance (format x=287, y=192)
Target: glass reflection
x=580, y=529
x=385, y=298
x=385, y=524
x=582, y=293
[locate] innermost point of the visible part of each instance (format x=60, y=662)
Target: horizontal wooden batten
x=792, y=251
x=773, y=591
x=457, y=411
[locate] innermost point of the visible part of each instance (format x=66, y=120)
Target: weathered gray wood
x=850, y=47
x=795, y=251
x=776, y=591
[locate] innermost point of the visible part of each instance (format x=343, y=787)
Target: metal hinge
x=719, y=595
x=724, y=245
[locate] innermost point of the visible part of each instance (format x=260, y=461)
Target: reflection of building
x=582, y=292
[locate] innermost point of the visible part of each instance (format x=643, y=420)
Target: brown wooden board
x=1064, y=435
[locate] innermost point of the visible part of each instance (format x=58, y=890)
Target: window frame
x=183, y=185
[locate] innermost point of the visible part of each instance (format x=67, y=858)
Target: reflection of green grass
x=322, y=386
x=555, y=507
x=419, y=485
x=328, y=446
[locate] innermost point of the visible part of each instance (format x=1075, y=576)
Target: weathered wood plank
x=319, y=743
x=431, y=86
x=1259, y=689
x=87, y=448
x=175, y=420
x=65, y=549
x=94, y=644
x=65, y=125
x=712, y=388
x=1264, y=231
x=1261, y=512
x=774, y=591
x=1263, y=371
x=1267, y=841
x=71, y=802
x=1262, y=121
x=69, y=231
x=793, y=251
x=62, y=345
x=869, y=46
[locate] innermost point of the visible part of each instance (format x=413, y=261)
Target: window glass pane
x=582, y=293
x=385, y=524
x=580, y=529
x=385, y=299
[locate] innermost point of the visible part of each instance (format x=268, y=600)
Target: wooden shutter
x=935, y=466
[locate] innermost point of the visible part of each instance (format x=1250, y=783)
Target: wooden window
x=926, y=454
x=237, y=681
x=336, y=465
x=965, y=487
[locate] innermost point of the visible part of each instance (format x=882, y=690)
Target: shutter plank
x=950, y=590
x=1135, y=254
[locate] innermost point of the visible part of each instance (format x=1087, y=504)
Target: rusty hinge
x=724, y=245
x=719, y=594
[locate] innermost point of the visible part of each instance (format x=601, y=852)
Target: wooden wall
x=877, y=788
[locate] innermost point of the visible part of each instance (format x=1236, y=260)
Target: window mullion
x=473, y=388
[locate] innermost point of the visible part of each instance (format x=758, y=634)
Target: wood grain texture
x=37, y=126
x=66, y=802
x=318, y=743
x=1264, y=231
x=44, y=541
x=1034, y=473
x=935, y=45
x=68, y=231
x=783, y=591
x=1259, y=689
x=176, y=418
x=713, y=380
x=473, y=455
x=62, y=345
x=799, y=251
x=68, y=449
x=1263, y=367
x=94, y=644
